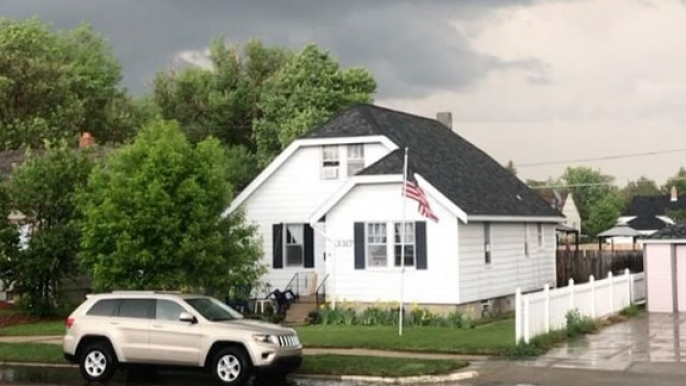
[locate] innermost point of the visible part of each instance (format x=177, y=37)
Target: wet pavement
x=648, y=338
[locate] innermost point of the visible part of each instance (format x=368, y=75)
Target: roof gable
x=466, y=175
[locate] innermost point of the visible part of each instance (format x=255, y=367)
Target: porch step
x=309, y=299
x=300, y=312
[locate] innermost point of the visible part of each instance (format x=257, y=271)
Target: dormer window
x=330, y=162
x=355, y=159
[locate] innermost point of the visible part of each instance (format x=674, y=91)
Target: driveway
x=655, y=340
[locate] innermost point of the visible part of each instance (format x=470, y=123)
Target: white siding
x=571, y=213
x=291, y=195
x=383, y=203
x=659, y=276
x=509, y=267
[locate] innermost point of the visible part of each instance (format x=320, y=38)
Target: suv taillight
x=69, y=322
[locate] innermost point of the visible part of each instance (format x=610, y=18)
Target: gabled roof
x=464, y=174
x=649, y=209
x=554, y=197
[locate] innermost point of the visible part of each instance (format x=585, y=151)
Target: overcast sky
x=529, y=81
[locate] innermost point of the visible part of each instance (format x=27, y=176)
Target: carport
x=664, y=259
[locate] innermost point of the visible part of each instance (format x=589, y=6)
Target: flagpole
x=402, y=250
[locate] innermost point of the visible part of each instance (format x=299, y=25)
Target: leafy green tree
x=678, y=181
x=641, y=187
x=221, y=101
x=8, y=232
x=43, y=189
x=152, y=218
x=307, y=90
x=54, y=85
x=677, y=215
x=604, y=213
x=588, y=186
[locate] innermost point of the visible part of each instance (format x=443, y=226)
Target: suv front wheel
x=97, y=362
x=230, y=366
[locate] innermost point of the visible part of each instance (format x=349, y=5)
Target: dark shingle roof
x=647, y=208
x=467, y=176
x=672, y=232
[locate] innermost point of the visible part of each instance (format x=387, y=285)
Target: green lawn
x=34, y=329
x=31, y=352
x=376, y=366
x=312, y=364
x=490, y=339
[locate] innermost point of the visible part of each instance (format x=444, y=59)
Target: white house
x=330, y=208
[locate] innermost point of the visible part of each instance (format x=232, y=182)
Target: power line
x=588, y=184
x=604, y=158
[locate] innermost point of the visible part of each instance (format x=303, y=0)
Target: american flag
x=413, y=191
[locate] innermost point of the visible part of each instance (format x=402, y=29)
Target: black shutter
x=309, y=246
x=359, y=245
x=277, y=246
x=420, y=244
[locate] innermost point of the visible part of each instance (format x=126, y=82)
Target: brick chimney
x=446, y=118
x=86, y=140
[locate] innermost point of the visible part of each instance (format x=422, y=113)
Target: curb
x=452, y=377
x=39, y=364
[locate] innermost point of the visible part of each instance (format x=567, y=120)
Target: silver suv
x=112, y=330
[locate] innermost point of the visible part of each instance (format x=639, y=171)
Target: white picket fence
x=540, y=312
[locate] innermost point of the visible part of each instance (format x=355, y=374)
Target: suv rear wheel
x=97, y=362
x=230, y=366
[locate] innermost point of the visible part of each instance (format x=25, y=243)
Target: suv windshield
x=213, y=310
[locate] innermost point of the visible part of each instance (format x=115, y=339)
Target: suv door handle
x=157, y=326
x=114, y=323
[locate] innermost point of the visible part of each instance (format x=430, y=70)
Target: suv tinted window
x=168, y=310
x=105, y=307
x=136, y=308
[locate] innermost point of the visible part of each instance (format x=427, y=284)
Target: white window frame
x=355, y=153
x=488, y=244
x=376, y=235
x=527, y=247
x=409, y=239
x=331, y=162
x=293, y=243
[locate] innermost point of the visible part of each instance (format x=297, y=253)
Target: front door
x=173, y=341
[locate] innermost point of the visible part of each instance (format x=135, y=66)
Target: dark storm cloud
x=410, y=46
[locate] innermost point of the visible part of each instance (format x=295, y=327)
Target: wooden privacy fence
x=540, y=312
x=582, y=264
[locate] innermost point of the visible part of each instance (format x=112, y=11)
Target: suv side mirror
x=186, y=317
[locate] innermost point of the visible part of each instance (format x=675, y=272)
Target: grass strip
x=330, y=364
x=489, y=339
x=34, y=329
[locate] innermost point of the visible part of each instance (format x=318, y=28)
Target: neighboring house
x=649, y=214
x=329, y=210
x=570, y=229
x=11, y=159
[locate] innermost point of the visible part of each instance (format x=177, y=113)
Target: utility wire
x=604, y=158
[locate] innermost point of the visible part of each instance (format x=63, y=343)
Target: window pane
x=330, y=153
x=136, y=308
x=377, y=255
x=104, y=307
x=409, y=255
x=294, y=234
x=294, y=255
x=168, y=310
x=356, y=152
